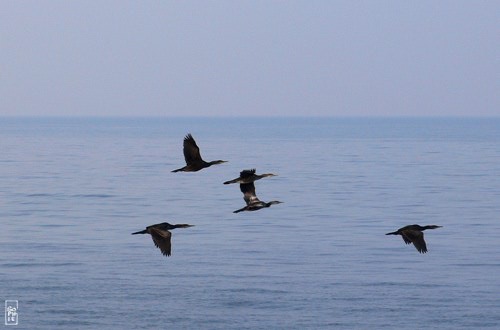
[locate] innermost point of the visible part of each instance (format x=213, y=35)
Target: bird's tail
x=140, y=232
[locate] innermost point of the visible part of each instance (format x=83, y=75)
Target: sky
x=249, y=58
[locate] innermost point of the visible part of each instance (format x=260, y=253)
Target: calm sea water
x=72, y=191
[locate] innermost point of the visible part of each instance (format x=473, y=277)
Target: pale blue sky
x=219, y=58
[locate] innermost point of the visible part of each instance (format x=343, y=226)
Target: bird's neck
x=180, y=226
x=215, y=162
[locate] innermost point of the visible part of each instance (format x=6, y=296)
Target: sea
x=72, y=190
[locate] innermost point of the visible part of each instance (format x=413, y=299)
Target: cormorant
x=194, y=162
x=414, y=234
x=161, y=235
x=247, y=176
x=253, y=203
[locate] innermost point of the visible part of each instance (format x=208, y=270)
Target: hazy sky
x=166, y=58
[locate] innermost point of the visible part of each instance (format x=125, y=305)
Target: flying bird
x=194, y=162
x=253, y=203
x=414, y=234
x=248, y=176
x=161, y=235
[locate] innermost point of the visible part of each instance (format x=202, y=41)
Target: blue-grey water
x=73, y=190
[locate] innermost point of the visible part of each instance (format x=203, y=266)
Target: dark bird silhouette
x=253, y=203
x=248, y=176
x=414, y=234
x=161, y=235
x=194, y=162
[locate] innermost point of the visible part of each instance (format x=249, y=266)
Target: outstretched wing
x=191, y=150
x=405, y=238
x=161, y=238
x=248, y=190
x=417, y=238
x=245, y=174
